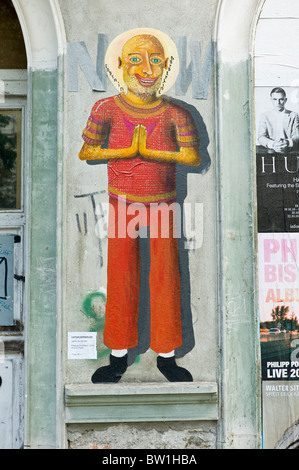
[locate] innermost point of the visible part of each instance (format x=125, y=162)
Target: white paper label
x=82, y=345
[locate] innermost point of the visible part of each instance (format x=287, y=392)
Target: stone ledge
x=138, y=402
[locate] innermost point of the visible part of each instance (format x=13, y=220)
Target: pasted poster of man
x=279, y=305
x=277, y=159
x=143, y=135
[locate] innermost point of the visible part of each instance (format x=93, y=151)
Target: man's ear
x=166, y=63
x=119, y=62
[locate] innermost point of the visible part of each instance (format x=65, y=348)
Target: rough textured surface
x=142, y=436
x=87, y=254
x=84, y=260
x=84, y=254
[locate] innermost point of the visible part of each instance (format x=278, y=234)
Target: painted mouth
x=146, y=81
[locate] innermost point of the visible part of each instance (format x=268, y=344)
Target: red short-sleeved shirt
x=137, y=179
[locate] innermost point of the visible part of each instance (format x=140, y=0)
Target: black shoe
x=112, y=373
x=172, y=371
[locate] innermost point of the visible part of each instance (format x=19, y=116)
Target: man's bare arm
x=186, y=155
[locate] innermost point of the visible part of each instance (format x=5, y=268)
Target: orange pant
x=123, y=280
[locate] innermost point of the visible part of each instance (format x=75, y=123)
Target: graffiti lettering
x=198, y=72
x=3, y=285
x=167, y=73
x=78, y=55
x=113, y=78
x=2, y=353
x=96, y=213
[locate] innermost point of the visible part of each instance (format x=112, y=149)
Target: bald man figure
x=147, y=135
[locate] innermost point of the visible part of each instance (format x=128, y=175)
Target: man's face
x=278, y=101
x=143, y=62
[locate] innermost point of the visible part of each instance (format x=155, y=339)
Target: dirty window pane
x=10, y=159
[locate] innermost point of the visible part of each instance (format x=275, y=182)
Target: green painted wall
x=239, y=327
x=41, y=348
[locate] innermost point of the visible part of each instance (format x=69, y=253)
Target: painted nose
x=147, y=65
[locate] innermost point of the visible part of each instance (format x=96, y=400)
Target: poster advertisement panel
x=277, y=178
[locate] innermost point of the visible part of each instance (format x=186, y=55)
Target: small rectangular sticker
x=82, y=345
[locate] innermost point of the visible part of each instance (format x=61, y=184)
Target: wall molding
x=130, y=402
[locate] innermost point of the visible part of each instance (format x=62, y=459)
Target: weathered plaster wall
x=83, y=264
x=198, y=435
x=240, y=382
x=42, y=295
x=85, y=187
x=40, y=233
x=84, y=253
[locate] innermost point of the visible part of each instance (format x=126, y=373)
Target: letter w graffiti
x=198, y=72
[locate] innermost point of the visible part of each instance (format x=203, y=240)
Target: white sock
x=170, y=354
x=119, y=352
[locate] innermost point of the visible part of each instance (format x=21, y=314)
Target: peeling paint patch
x=143, y=436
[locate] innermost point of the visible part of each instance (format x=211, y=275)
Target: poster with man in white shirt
x=277, y=158
x=279, y=127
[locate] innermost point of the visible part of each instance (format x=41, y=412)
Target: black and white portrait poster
x=277, y=159
x=277, y=179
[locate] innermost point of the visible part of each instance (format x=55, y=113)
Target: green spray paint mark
x=89, y=311
x=98, y=322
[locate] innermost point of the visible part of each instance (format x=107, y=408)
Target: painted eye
x=135, y=60
x=155, y=60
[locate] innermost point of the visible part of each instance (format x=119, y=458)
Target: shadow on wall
x=144, y=299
